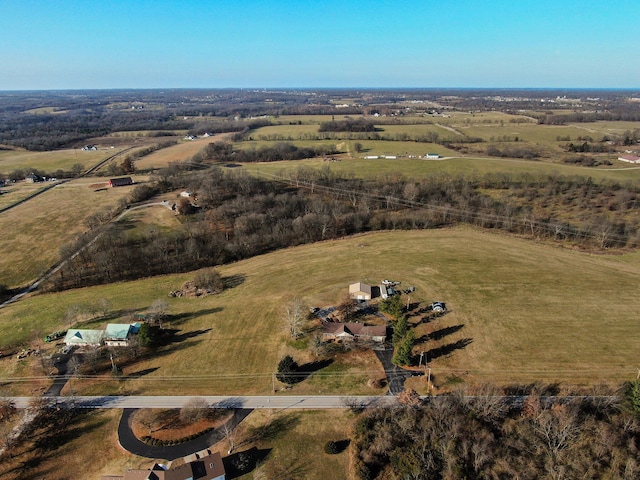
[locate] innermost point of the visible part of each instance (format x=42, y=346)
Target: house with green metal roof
x=119, y=334
x=83, y=338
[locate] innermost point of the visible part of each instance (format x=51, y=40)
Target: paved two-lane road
x=274, y=401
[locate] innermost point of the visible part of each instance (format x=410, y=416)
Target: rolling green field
x=468, y=166
x=515, y=305
x=14, y=192
x=34, y=231
x=11, y=160
x=177, y=153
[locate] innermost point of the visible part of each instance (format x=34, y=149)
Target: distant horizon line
x=111, y=89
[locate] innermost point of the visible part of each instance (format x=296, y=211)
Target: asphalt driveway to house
x=129, y=442
x=395, y=375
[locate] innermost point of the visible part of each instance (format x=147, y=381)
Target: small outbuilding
x=360, y=291
x=629, y=158
x=120, y=182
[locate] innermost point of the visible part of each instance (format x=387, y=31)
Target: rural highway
x=278, y=402
x=228, y=402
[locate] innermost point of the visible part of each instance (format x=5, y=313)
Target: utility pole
x=427, y=371
x=408, y=302
x=420, y=363
x=273, y=382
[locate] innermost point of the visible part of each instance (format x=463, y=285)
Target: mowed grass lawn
x=32, y=233
x=520, y=311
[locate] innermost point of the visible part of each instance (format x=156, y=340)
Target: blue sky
x=68, y=44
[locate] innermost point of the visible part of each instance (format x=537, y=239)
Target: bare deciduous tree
x=294, y=315
x=230, y=435
x=148, y=419
x=159, y=310
x=194, y=409
x=103, y=305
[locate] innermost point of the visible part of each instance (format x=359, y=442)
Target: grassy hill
x=520, y=311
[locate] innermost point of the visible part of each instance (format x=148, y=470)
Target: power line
x=554, y=228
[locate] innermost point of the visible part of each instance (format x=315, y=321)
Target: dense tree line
x=224, y=152
x=513, y=152
x=485, y=437
x=348, y=125
x=629, y=114
x=240, y=216
x=429, y=137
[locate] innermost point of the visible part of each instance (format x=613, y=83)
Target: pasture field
x=45, y=110
x=295, y=132
x=607, y=128
x=527, y=132
x=309, y=119
x=519, y=311
x=177, y=153
x=32, y=233
x=416, y=130
x=49, y=162
x=468, y=166
x=14, y=192
x=150, y=221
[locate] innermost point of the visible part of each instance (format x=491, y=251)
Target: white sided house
x=84, y=338
x=360, y=291
x=119, y=334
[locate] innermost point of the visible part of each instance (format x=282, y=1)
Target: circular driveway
x=132, y=444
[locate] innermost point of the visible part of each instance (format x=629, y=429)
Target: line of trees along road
x=239, y=216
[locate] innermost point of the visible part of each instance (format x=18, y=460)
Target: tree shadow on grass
x=183, y=317
x=308, y=369
x=443, y=332
x=448, y=349
x=241, y=463
x=275, y=428
x=533, y=388
x=297, y=468
x=173, y=347
x=142, y=373
x=24, y=469
x=179, y=338
x=341, y=445
x=233, y=281
x=60, y=433
x=430, y=316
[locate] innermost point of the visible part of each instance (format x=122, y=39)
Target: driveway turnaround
x=130, y=442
